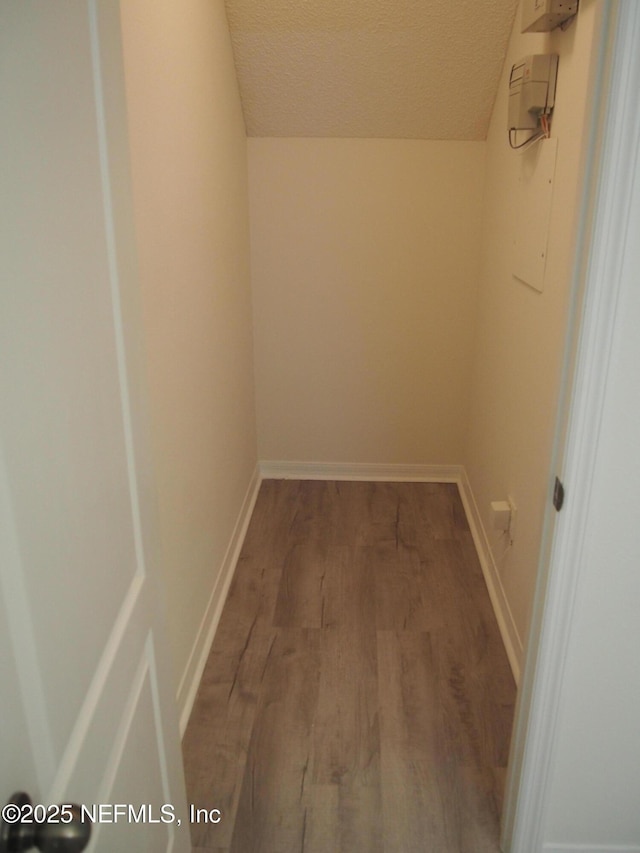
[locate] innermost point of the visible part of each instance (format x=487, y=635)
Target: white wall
x=188, y=151
x=364, y=259
x=521, y=332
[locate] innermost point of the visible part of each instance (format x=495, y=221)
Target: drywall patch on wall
x=531, y=226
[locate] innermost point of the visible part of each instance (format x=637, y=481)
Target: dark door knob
x=24, y=826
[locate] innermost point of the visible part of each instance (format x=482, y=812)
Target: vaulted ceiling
x=409, y=69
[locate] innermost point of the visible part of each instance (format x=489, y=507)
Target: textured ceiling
x=409, y=69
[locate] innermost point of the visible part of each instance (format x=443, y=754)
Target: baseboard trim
x=359, y=471
x=190, y=680
x=506, y=624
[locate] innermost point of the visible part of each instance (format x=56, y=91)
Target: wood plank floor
x=357, y=696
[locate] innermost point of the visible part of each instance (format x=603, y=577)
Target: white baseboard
x=190, y=680
x=510, y=636
x=591, y=848
x=359, y=471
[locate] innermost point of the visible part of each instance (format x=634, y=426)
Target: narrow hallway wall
x=188, y=148
x=364, y=259
x=521, y=332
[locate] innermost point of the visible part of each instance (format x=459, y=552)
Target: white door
x=86, y=713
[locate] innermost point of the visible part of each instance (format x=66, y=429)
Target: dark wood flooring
x=357, y=696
